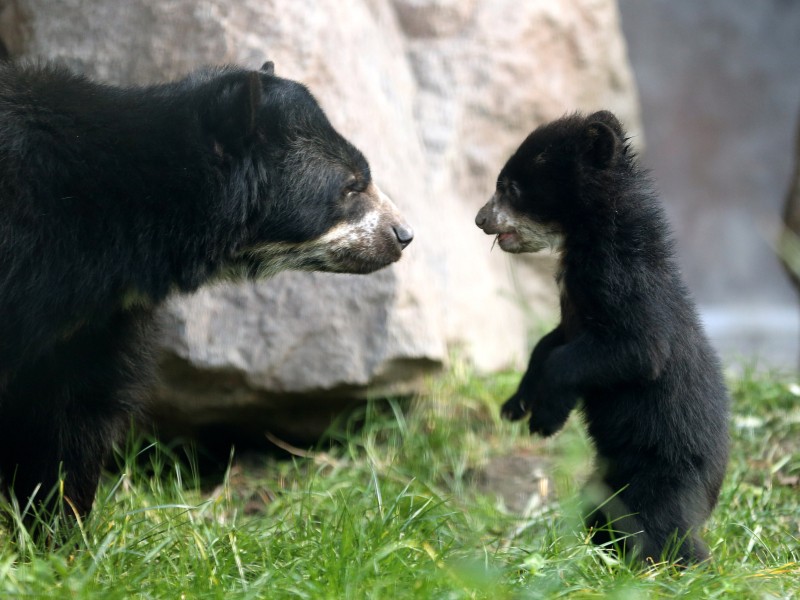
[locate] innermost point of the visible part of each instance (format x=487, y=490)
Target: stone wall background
x=437, y=93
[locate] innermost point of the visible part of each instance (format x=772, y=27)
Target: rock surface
x=436, y=93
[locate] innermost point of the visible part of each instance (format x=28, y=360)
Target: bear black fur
x=629, y=344
x=112, y=198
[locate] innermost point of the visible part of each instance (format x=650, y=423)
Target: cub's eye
x=514, y=195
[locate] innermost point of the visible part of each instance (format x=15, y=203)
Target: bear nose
x=404, y=234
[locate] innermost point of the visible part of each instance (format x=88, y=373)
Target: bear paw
x=514, y=408
x=544, y=427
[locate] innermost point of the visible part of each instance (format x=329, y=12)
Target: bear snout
x=404, y=234
x=486, y=218
x=373, y=241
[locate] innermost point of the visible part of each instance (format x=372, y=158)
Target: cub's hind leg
x=646, y=521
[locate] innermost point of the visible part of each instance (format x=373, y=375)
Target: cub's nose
x=404, y=234
x=482, y=218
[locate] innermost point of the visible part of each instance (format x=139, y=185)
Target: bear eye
x=512, y=192
x=353, y=187
x=514, y=196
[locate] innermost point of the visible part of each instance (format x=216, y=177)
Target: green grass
x=394, y=510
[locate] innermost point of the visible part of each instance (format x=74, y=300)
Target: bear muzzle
x=402, y=230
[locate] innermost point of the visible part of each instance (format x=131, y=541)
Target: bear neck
x=627, y=229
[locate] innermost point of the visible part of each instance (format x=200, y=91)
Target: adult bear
x=112, y=198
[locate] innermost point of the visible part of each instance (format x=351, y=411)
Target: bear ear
x=231, y=118
x=608, y=118
x=268, y=68
x=601, y=145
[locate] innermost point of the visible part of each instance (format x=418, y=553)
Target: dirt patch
x=520, y=481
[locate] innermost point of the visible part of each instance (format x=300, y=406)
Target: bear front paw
x=514, y=408
x=544, y=427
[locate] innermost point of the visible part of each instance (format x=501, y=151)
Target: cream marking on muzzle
x=529, y=235
x=374, y=228
x=536, y=236
x=503, y=218
x=368, y=229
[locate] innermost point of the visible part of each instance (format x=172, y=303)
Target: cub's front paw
x=543, y=424
x=515, y=408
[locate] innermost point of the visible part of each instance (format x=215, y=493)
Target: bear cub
x=112, y=198
x=629, y=347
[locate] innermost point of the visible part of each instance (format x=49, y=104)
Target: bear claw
x=514, y=409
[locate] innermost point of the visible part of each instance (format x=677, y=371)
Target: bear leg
x=56, y=438
x=61, y=415
x=520, y=404
x=660, y=530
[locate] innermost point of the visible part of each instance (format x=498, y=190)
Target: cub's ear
x=268, y=68
x=607, y=117
x=231, y=114
x=601, y=145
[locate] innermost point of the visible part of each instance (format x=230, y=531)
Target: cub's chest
x=571, y=320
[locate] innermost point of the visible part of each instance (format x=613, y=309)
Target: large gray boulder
x=436, y=93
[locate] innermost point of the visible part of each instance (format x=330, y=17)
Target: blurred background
x=719, y=84
x=437, y=93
